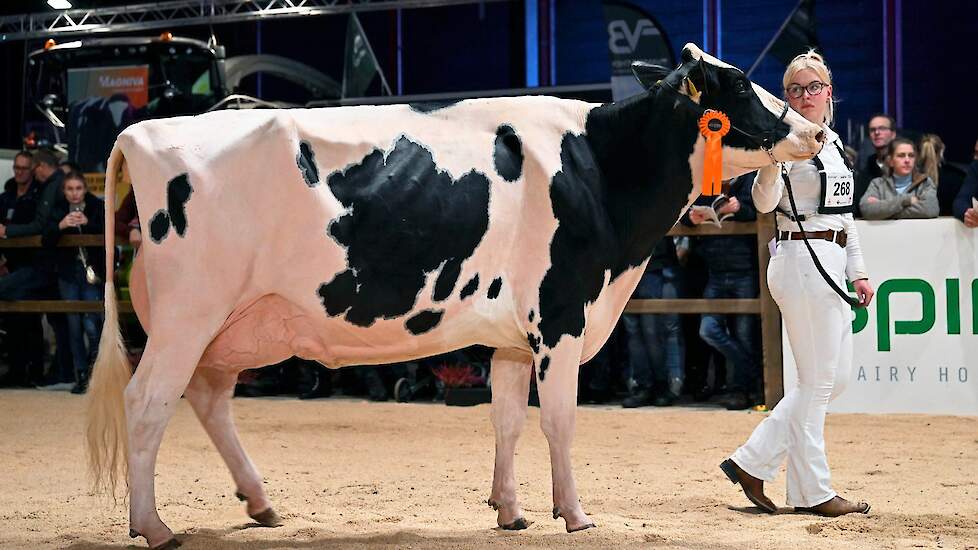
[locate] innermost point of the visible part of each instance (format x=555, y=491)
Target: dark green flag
x=360, y=66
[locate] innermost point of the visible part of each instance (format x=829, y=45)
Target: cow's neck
x=642, y=145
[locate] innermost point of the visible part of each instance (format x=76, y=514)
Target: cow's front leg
x=510, y=374
x=557, y=385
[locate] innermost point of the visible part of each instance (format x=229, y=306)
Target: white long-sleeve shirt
x=769, y=194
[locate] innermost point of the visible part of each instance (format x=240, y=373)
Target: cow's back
x=392, y=231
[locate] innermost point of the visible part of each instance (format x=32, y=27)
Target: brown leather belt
x=837, y=237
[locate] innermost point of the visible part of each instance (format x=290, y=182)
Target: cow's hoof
x=168, y=545
x=581, y=528
x=517, y=524
x=133, y=533
x=268, y=518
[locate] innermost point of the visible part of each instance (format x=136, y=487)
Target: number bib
x=837, y=185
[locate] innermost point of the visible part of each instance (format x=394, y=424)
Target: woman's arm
x=926, y=205
x=855, y=265
x=768, y=187
x=879, y=208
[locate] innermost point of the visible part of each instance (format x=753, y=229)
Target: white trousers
x=819, y=329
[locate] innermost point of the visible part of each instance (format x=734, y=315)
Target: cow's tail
x=106, y=430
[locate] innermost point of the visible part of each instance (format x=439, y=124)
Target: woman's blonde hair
x=931, y=155
x=816, y=63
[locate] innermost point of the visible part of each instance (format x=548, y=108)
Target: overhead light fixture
x=60, y=4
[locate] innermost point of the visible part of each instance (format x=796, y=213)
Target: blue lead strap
x=818, y=265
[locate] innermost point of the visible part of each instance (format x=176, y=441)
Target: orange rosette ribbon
x=713, y=125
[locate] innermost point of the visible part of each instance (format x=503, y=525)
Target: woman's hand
x=731, y=207
x=864, y=291
x=73, y=219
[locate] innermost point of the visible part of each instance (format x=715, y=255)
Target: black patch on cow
x=534, y=342
x=306, y=159
x=431, y=106
x=583, y=246
x=544, y=365
x=335, y=295
x=494, y=288
x=178, y=192
x=531, y=315
x=424, y=321
x=470, y=287
x=507, y=154
x=622, y=185
x=404, y=218
x=447, y=279
x=159, y=226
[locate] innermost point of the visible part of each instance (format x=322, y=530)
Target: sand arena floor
x=350, y=474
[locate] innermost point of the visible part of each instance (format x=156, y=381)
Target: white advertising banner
x=915, y=346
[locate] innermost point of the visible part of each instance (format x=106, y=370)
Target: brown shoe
x=835, y=507
x=753, y=487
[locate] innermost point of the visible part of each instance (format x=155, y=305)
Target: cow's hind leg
x=557, y=385
x=209, y=393
x=510, y=374
x=151, y=399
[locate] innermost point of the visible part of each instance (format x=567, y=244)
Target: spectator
x=882, y=130
x=655, y=342
x=964, y=208
x=24, y=341
x=732, y=272
x=903, y=192
x=79, y=212
x=947, y=177
x=37, y=277
x=127, y=221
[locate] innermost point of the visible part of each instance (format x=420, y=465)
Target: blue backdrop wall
x=482, y=47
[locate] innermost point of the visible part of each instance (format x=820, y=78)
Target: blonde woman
x=947, y=177
x=902, y=192
x=817, y=320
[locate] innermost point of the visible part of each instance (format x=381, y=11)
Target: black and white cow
x=369, y=235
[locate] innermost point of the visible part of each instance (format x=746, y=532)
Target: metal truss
x=179, y=13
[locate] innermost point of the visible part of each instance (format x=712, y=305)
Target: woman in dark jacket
x=80, y=270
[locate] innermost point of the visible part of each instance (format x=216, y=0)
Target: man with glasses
x=33, y=275
x=23, y=339
x=882, y=130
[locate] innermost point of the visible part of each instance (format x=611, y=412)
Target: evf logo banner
x=633, y=35
x=915, y=346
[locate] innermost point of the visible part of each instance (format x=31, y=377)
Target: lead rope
x=818, y=265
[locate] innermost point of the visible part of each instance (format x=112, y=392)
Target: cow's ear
x=648, y=74
x=695, y=80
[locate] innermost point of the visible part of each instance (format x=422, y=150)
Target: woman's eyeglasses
x=797, y=90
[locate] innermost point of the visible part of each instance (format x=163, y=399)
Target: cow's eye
x=740, y=87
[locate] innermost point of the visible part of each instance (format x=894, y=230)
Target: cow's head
x=761, y=129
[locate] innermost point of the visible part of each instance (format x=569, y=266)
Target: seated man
x=656, y=351
x=882, y=130
x=23, y=342
x=732, y=272
x=36, y=279
x=964, y=208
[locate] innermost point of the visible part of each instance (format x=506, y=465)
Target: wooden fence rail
x=763, y=305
